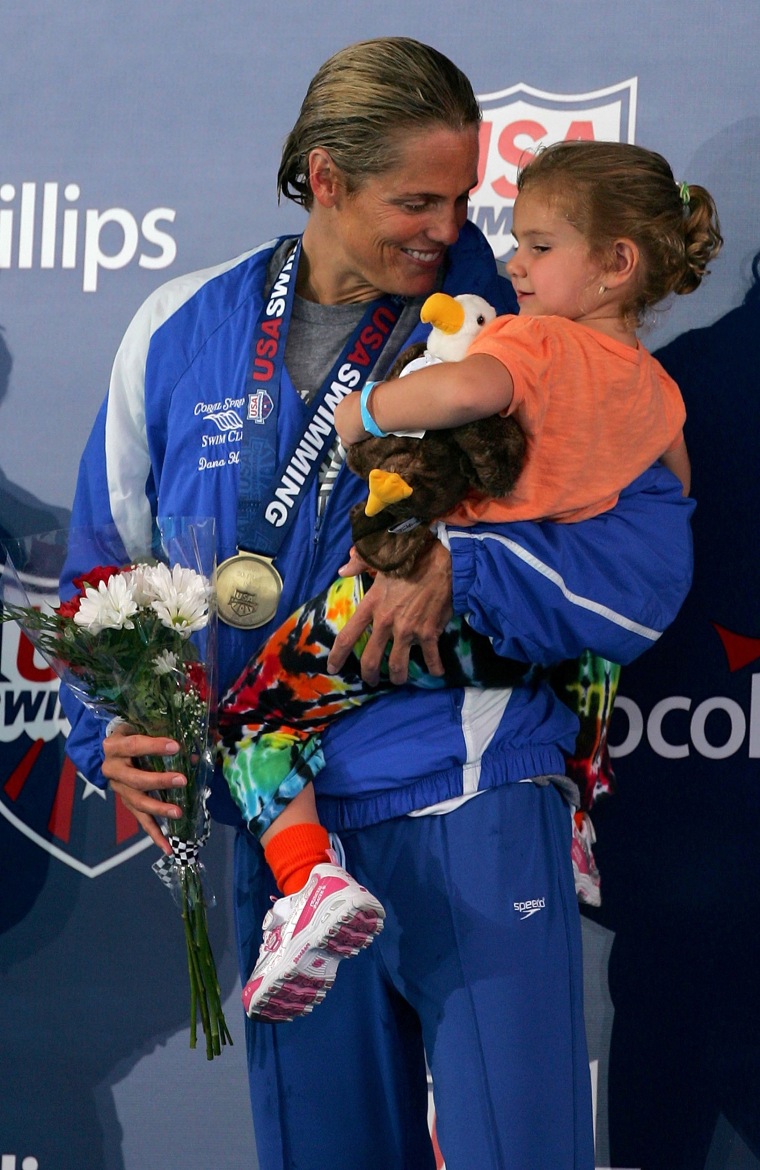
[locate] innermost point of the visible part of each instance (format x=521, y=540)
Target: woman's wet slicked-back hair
x=360, y=103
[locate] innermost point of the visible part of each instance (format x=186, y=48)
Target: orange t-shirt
x=596, y=414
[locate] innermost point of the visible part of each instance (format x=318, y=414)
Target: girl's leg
x=296, y=842
x=588, y=686
x=302, y=810
x=344, y=1087
x=327, y=917
x=270, y=750
x=271, y=718
x=268, y=763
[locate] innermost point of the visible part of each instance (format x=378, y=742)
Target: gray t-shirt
x=316, y=336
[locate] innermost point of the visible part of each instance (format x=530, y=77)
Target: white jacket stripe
x=127, y=454
x=556, y=579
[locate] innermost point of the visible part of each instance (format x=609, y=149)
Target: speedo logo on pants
x=526, y=909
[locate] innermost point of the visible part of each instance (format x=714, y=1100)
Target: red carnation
x=197, y=680
x=92, y=579
x=67, y=609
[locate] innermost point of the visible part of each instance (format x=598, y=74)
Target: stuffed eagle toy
x=416, y=480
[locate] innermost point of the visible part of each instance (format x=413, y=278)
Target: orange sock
x=292, y=854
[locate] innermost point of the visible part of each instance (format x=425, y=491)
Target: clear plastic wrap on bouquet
x=136, y=643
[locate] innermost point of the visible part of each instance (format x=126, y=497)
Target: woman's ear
x=324, y=177
x=624, y=263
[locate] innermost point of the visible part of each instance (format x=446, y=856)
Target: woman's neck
x=322, y=277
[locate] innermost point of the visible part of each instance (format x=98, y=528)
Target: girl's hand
x=133, y=786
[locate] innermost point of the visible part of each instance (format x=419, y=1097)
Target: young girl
x=603, y=233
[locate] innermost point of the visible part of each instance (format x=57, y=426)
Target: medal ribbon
x=269, y=495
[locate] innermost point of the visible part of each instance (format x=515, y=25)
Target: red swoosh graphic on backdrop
x=740, y=649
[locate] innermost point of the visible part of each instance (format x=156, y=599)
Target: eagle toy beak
x=385, y=487
x=443, y=312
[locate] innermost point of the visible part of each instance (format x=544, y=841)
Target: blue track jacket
x=541, y=592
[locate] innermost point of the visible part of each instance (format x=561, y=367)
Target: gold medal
x=248, y=589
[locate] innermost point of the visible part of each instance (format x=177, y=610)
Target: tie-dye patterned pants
x=270, y=719
x=588, y=685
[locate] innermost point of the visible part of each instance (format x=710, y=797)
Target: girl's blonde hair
x=361, y=102
x=614, y=190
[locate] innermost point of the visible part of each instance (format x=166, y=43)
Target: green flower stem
x=196, y=978
x=220, y=1032
x=205, y=992
x=211, y=995
x=193, y=984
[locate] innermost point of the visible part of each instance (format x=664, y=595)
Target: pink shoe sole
x=298, y=992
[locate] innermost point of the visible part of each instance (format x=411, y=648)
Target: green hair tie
x=685, y=194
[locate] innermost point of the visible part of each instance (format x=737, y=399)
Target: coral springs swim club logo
x=41, y=793
x=517, y=122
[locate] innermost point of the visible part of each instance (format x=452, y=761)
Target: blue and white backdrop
x=141, y=140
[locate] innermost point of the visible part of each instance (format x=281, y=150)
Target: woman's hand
x=132, y=785
x=403, y=611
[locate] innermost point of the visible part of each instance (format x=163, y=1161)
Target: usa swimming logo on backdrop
x=517, y=121
x=41, y=793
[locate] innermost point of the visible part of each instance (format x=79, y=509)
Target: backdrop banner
x=141, y=141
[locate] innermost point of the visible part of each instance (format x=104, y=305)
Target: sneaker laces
x=278, y=913
x=336, y=851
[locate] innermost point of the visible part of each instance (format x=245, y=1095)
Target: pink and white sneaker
x=305, y=937
x=587, y=880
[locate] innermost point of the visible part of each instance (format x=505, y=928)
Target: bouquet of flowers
x=136, y=643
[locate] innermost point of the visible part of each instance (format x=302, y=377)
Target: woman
x=478, y=967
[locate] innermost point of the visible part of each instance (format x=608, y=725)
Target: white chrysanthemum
x=141, y=580
x=109, y=607
x=165, y=663
x=181, y=598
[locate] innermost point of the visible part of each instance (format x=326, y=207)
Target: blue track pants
x=478, y=969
